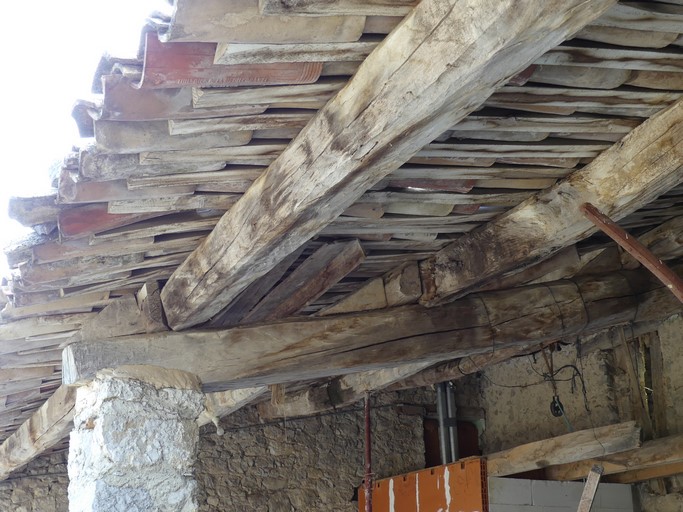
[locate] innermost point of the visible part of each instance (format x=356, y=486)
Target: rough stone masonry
x=134, y=443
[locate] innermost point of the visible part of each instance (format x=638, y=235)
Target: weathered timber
x=124, y=102
x=665, y=241
x=31, y=211
x=319, y=347
x=291, y=118
x=192, y=64
x=217, y=202
x=636, y=249
x=641, y=16
x=75, y=191
x=402, y=285
x=338, y=7
x=232, y=180
x=241, y=21
x=647, y=60
x=222, y=403
x=627, y=37
x=337, y=393
x=376, y=123
x=642, y=475
x=633, y=172
x=138, y=136
x=277, y=96
x=370, y=296
x=659, y=452
x=258, y=54
x=564, y=449
x=44, y=429
x=313, y=277
x=252, y=295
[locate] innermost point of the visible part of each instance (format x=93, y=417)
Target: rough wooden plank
x=370, y=296
x=76, y=191
x=320, y=347
x=338, y=7
x=231, y=54
x=174, y=204
x=45, y=428
x=564, y=449
x=323, y=269
x=240, y=21
x=361, y=135
x=646, y=163
x=270, y=120
x=648, y=60
x=642, y=475
x=192, y=64
x=252, y=295
x=291, y=96
x=139, y=136
x=124, y=102
x=659, y=452
x=31, y=211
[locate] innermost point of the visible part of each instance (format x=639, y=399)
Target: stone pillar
x=134, y=443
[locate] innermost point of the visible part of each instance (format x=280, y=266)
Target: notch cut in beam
x=372, y=126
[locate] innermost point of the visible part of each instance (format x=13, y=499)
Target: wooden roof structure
x=269, y=172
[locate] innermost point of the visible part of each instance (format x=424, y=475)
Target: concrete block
x=509, y=491
x=556, y=494
x=614, y=496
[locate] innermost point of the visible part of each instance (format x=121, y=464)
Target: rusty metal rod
x=635, y=249
x=368, y=455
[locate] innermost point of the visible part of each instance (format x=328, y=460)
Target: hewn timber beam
x=311, y=348
x=665, y=451
x=51, y=423
x=630, y=174
x=222, y=403
x=339, y=392
x=576, y=446
x=376, y=123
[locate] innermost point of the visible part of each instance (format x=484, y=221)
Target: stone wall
x=517, y=398
x=294, y=465
x=301, y=464
x=40, y=487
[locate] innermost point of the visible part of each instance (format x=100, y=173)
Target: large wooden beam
x=666, y=451
x=44, y=429
x=572, y=447
x=304, y=349
x=338, y=392
x=371, y=127
x=633, y=172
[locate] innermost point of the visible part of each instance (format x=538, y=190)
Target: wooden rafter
x=373, y=125
x=633, y=172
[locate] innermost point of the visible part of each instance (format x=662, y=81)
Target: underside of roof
x=443, y=196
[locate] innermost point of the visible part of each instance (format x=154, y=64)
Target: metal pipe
x=635, y=249
x=368, y=455
x=452, y=422
x=442, y=413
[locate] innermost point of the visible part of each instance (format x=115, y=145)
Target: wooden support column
x=379, y=120
x=630, y=174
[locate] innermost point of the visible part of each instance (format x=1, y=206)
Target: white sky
x=49, y=50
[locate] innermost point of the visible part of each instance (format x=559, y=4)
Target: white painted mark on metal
x=447, y=488
x=392, y=498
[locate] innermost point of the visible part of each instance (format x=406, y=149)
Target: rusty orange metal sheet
x=172, y=65
x=457, y=487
